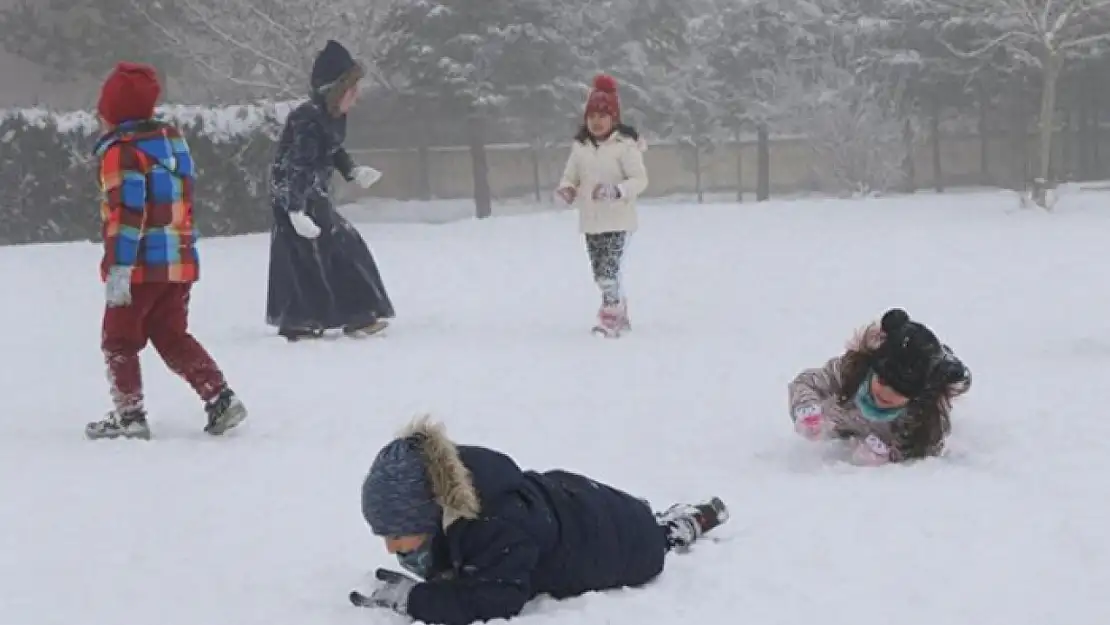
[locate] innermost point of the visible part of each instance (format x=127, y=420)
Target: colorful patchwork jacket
x=146, y=184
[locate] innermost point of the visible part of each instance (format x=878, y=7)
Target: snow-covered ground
x=728, y=303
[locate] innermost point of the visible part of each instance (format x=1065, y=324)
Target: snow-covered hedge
x=48, y=189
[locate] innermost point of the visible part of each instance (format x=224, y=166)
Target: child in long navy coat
x=322, y=274
x=484, y=537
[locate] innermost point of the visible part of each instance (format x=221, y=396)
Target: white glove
x=365, y=176
x=117, y=287
x=304, y=225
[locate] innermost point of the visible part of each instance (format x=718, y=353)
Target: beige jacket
x=617, y=160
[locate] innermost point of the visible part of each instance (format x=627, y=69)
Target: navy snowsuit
x=555, y=533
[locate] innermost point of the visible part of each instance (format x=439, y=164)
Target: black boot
x=224, y=412
x=299, y=334
x=685, y=524
x=129, y=424
x=363, y=330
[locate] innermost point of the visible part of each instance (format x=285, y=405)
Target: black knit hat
x=334, y=72
x=908, y=355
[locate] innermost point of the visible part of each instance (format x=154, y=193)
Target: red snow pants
x=158, y=313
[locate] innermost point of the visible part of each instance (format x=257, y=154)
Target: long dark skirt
x=326, y=283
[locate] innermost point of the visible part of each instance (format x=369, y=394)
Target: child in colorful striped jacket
x=150, y=260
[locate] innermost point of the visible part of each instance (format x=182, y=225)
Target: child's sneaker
x=129, y=424
x=300, y=334
x=686, y=523
x=365, y=329
x=224, y=413
x=610, y=321
x=624, y=323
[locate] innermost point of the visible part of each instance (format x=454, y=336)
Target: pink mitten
x=607, y=192
x=811, y=423
x=567, y=194
x=870, y=452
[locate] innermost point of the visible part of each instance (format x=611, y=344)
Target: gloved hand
x=117, y=287
x=870, y=452
x=304, y=225
x=365, y=176
x=607, y=192
x=811, y=422
x=392, y=590
x=567, y=194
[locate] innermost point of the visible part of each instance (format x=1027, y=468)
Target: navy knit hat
x=397, y=498
x=334, y=72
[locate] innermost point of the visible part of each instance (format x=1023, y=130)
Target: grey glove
x=392, y=590
x=117, y=287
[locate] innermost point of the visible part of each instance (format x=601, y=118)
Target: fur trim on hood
x=452, y=485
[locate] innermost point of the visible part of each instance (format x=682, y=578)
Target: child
x=485, y=536
x=322, y=274
x=889, y=395
x=150, y=260
x=604, y=175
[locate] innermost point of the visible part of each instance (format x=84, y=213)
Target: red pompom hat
x=603, y=98
x=129, y=93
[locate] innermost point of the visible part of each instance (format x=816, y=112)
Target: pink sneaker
x=610, y=321
x=622, y=309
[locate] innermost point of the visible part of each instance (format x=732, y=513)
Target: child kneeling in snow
x=889, y=395
x=486, y=536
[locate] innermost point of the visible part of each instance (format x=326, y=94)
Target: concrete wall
x=670, y=168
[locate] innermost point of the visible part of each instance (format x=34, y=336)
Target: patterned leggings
x=606, y=253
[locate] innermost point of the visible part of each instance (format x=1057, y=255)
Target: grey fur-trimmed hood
x=451, y=482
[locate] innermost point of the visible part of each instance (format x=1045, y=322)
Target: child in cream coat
x=603, y=177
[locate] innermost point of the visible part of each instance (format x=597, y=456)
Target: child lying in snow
x=486, y=536
x=889, y=394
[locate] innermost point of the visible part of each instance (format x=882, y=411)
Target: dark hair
x=928, y=421
x=583, y=135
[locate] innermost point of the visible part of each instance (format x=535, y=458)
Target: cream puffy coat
x=617, y=160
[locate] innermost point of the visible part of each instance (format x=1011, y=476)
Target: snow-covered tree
x=486, y=62
x=1039, y=34
x=812, y=72
x=920, y=76
x=247, y=49
x=759, y=49
x=73, y=39
x=675, y=86
x=691, y=97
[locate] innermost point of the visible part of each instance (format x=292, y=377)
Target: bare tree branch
x=250, y=49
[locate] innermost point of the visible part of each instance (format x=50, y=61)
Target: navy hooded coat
x=510, y=535
x=331, y=281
